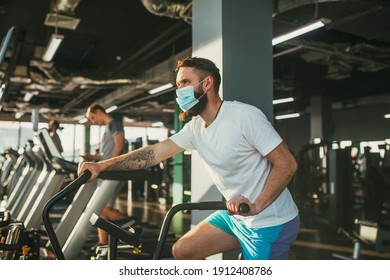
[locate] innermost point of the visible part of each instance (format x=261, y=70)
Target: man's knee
x=177, y=251
x=106, y=212
x=181, y=250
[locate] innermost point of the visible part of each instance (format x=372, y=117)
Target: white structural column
x=237, y=36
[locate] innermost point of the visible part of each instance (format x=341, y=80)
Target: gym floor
x=316, y=240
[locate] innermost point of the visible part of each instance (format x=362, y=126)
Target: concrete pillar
x=87, y=144
x=237, y=36
x=320, y=118
x=177, y=192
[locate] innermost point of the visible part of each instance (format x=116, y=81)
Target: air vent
x=61, y=21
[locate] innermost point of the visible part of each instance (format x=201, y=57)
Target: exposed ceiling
x=121, y=49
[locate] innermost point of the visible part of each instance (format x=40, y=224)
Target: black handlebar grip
x=243, y=208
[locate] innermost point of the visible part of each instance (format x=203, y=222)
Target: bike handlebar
x=208, y=205
x=243, y=208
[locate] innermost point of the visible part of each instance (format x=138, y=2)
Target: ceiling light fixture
x=287, y=116
x=111, y=109
x=160, y=88
x=302, y=30
x=29, y=95
x=61, y=20
x=51, y=49
x=387, y=116
x=19, y=114
x=317, y=140
x=157, y=124
x=2, y=90
x=283, y=100
x=5, y=42
x=83, y=120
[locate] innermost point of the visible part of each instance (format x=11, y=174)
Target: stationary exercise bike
x=124, y=233
x=17, y=242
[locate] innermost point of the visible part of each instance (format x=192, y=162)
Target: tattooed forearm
x=137, y=160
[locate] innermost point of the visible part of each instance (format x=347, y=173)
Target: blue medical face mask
x=186, y=97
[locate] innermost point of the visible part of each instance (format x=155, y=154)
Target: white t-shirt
x=233, y=148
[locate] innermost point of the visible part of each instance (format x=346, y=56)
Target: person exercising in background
x=246, y=158
x=113, y=144
x=53, y=127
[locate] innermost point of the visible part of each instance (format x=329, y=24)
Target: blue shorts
x=270, y=243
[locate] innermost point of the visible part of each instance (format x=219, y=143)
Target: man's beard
x=196, y=110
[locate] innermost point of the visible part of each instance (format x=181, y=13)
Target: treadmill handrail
x=48, y=144
x=77, y=183
x=73, y=186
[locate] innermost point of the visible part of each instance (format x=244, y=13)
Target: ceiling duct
x=182, y=9
x=338, y=70
x=342, y=59
x=281, y=6
x=178, y=9
x=62, y=14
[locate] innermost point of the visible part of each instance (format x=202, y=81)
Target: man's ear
x=209, y=82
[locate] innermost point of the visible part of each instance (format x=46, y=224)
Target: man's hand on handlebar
x=93, y=167
x=240, y=205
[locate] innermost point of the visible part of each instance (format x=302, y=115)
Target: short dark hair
x=55, y=123
x=94, y=107
x=204, y=67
